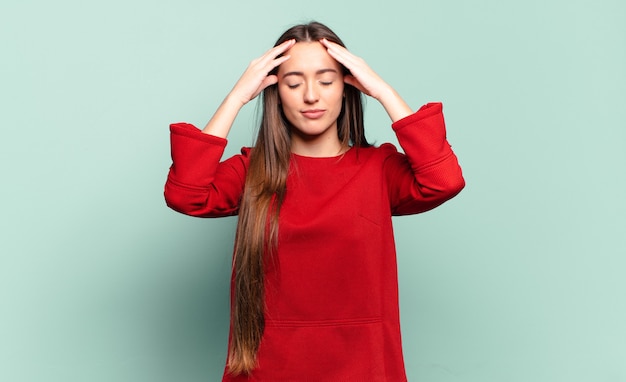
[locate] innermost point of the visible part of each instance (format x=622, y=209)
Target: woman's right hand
x=250, y=84
x=257, y=77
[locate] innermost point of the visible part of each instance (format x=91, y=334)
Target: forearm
x=198, y=184
x=394, y=105
x=250, y=84
x=431, y=173
x=224, y=117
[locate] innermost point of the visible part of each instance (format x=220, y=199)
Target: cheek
x=336, y=97
x=280, y=96
x=286, y=107
x=284, y=99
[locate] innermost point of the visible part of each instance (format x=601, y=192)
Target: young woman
x=315, y=290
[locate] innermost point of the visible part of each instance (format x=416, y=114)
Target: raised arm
x=428, y=173
x=366, y=80
x=198, y=184
x=250, y=84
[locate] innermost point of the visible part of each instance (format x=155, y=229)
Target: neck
x=322, y=144
x=326, y=147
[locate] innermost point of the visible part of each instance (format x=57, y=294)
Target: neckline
x=338, y=156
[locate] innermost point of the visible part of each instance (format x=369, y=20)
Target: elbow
x=446, y=179
x=448, y=184
x=181, y=201
x=175, y=202
x=452, y=180
x=183, y=206
x=456, y=185
x=453, y=186
x=196, y=203
x=447, y=188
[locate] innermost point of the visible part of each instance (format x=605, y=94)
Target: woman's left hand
x=367, y=81
x=362, y=76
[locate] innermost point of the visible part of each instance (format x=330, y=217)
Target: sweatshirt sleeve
x=198, y=184
x=428, y=173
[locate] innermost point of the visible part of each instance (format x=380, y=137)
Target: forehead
x=308, y=57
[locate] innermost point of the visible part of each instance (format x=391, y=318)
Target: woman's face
x=310, y=86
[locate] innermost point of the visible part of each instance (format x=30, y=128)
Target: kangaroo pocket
x=329, y=350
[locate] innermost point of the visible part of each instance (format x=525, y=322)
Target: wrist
x=387, y=94
x=234, y=100
x=394, y=105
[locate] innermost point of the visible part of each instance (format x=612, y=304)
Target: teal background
x=520, y=278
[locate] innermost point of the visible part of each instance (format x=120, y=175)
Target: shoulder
x=381, y=151
x=378, y=156
x=240, y=162
x=245, y=151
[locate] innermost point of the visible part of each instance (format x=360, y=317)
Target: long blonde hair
x=265, y=189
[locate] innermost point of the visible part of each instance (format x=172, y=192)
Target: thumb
x=351, y=80
x=267, y=81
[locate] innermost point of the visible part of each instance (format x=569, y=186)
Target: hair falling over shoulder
x=264, y=192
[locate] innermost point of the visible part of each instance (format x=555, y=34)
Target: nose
x=311, y=95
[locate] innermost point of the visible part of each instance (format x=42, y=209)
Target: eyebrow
x=321, y=71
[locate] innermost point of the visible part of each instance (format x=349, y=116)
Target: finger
x=270, y=59
x=330, y=44
x=267, y=81
x=270, y=66
x=279, y=49
x=337, y=49
x=280, y=60
x=341, y=54
x=351, y=80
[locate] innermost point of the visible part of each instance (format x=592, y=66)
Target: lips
x=313, y=113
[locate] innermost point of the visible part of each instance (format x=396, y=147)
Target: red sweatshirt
x=332, y=294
